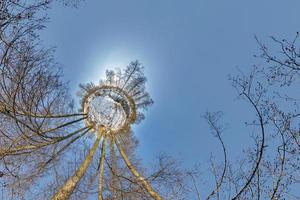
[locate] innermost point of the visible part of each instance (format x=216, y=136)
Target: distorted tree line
x=47, y=150
x=44, y=139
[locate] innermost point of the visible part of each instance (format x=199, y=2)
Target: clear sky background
x=188, y=49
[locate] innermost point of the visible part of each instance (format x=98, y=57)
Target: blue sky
x=188, y=49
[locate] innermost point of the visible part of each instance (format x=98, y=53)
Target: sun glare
x=98, y=64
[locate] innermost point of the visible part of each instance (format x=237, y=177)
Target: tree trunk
x=101, y=170
x=67, y=189
x=113, y=169
x=140, y=178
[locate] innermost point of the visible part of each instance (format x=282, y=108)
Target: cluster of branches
x=35, y=107
x=270, y=169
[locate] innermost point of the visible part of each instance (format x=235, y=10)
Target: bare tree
x=269, y=169
x=31, y=95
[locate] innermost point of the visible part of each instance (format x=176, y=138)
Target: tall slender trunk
x=67, y=189
x=101, y=170
x=113, y=168
x=139, y=177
